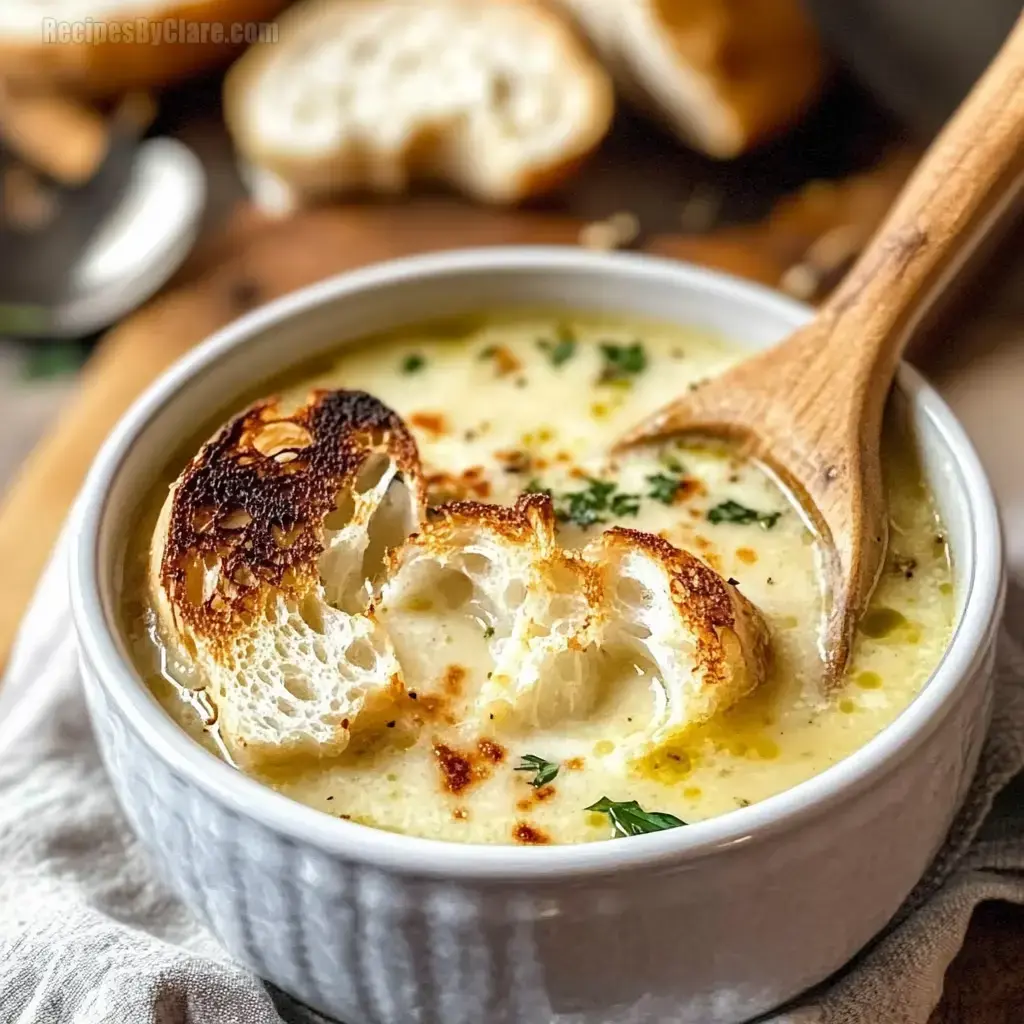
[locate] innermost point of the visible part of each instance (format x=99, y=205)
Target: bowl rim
x=412, y=855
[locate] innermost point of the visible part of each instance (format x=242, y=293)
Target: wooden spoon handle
x=966, y=182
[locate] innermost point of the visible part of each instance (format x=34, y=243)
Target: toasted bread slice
x=671, y=613
x=262, y=564
x=723, y=76
x=497, y=98
x=559, y=619
x=538, y=600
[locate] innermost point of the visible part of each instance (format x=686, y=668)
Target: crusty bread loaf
x=261, y=566
x=558, y=618
x=117, y=47
x=723, y=76
x=497, y=98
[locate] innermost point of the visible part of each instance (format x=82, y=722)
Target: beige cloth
x=89, y=936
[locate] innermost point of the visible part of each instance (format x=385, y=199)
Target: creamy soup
x=533, y=402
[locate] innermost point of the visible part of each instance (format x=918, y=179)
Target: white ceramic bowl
x=710, y=924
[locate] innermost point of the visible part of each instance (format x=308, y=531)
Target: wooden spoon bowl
x=811, y=408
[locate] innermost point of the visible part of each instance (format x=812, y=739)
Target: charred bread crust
x=532, y=517
x=529, y=524
x=250, y=508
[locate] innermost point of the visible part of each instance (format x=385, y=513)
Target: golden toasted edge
x=528, y=524
x=252, y=504
x=713, y=609
x=321, y=175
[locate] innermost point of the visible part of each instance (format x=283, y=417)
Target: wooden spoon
x=811, y=408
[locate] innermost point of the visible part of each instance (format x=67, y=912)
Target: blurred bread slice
x=261, y=568
x=497, y=98
x=722, y=75
x=116, y=48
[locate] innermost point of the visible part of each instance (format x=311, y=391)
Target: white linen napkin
x=88, y=935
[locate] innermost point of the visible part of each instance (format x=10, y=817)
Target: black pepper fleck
x=391, y=724
x=732, y=582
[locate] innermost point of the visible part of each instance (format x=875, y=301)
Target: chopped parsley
x=734, y=512
x=562, y=349
x=583, y=508
x=591, y=505
x=663, y=487
x=621, y=362
x=488, y=632
x=625, y=504
x=546, y=770
x=413, y=363
x=628, y=818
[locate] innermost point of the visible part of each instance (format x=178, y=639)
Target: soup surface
x=530, y=401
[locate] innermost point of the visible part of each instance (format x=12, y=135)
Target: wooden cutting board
x=251, y=262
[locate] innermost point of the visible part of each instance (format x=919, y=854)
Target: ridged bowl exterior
x=716, y=941
x=720, y=922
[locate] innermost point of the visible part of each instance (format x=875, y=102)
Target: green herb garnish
x=592, y=505
x=625, y=504
x=734, y=512
x=488, y=632
x=628, y=818
x=487, y=352
x=562, y=349
x=546, y=770
x=584, y=508
x=413, y=363
x=621, y=362
x=589, y=506
x=664, y=488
